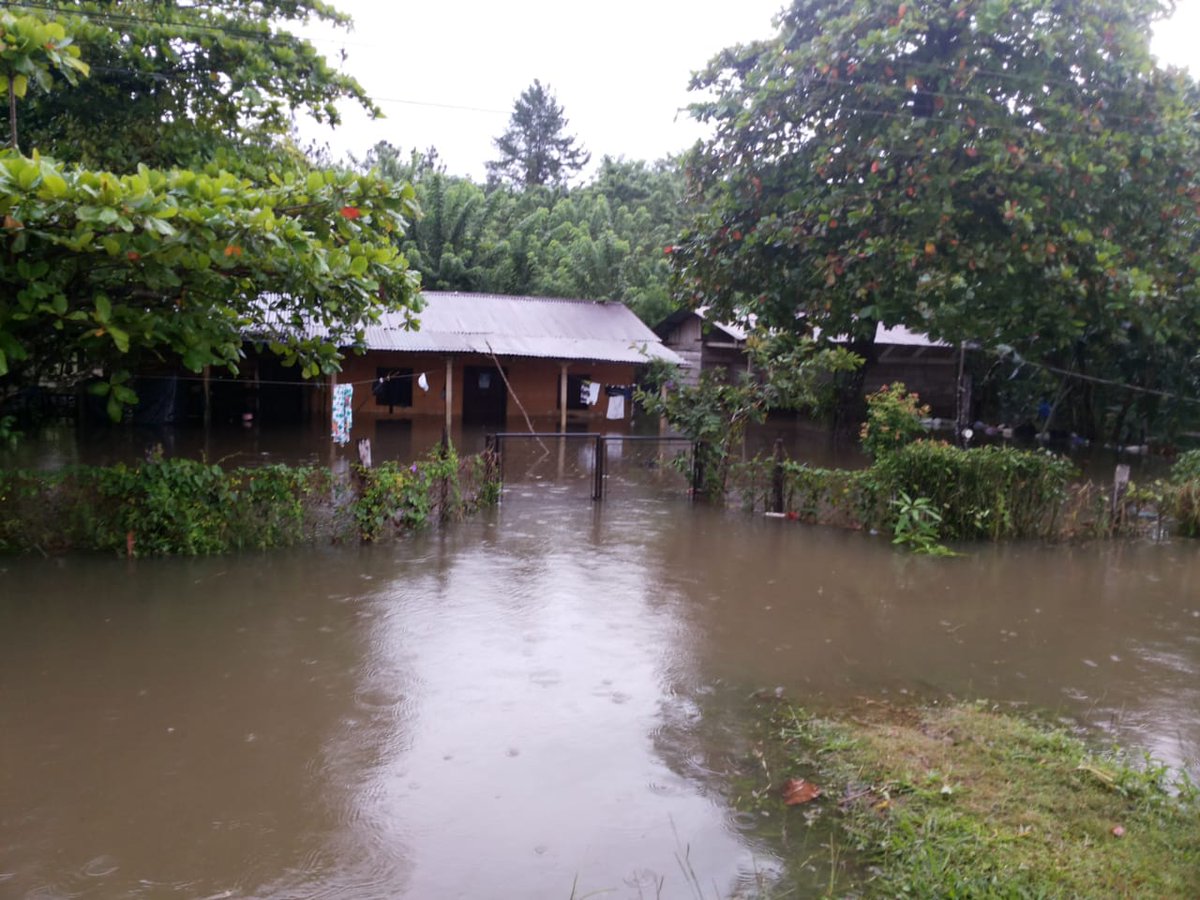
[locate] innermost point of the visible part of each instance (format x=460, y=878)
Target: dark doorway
x=484, y=396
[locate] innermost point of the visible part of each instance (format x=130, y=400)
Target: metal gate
x=598, y=458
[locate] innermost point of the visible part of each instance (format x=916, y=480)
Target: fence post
x=1116, y=510
x=598, y=470
x=777, y=478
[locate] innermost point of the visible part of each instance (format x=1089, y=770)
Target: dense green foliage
x=604, y=240
x=106, y=272
x=394, y=497
x=179, y=506
x=893, y=420
x=535, y=150
x=188, y=84
x=1017, y=173
x=964, y=800
x=945, y=493
x=1181, y=495
x=713, y=414
x=989, y=493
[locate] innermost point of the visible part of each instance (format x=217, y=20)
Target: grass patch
x=966, y=801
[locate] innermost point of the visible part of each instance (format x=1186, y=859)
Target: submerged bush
x=1182, y=494
x=981, y=493
x=180, y=506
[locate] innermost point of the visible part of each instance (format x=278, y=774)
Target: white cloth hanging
x=616, y=407
x=422, y=382
x=593, y=393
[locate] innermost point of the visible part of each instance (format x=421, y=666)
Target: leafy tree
x=188, y=84
x=535, y=150
x=713, y=414
x=103, y=272
x=33, y=49
x=1014, y=172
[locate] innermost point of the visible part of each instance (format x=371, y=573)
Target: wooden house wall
x=534, y=381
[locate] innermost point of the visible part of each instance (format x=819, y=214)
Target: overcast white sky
x=446, y=73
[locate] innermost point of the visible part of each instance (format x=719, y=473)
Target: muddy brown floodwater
x=546, y=700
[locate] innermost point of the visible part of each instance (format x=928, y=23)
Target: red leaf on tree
x=874, y=167
x=351, y=212
x=797, y=791
x=233, y=250
x=134, y=255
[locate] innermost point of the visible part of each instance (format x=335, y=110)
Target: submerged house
x=926, y=366
x=477, y=359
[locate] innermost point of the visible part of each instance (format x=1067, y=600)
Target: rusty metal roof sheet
x=543, y=327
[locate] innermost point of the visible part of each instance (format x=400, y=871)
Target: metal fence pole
x=598, y=470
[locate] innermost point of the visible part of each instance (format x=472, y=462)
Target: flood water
x=545, y=701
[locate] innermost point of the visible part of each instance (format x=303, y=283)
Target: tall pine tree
x=536, y=151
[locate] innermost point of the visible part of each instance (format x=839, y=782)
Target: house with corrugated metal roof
x=924, y=365
x=480, y=358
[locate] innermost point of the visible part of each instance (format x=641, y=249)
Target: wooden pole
x=562, y=398
x=449, y=393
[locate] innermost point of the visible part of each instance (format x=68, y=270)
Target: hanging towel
x=343, y=412
x=616, y=407
x=422, y=382
x=593, y=393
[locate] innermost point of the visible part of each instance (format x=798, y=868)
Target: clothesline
x=306, y=383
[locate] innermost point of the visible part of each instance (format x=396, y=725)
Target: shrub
x=986, y=492
x=179, y=506
x=893, y=419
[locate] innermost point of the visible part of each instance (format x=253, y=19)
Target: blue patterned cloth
x=343, y=412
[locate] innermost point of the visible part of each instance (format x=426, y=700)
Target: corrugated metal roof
x=541, y=327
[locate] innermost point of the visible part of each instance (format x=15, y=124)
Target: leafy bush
x=986, y=492
x=1182, y=494
x=180, y=506
x=893, y=419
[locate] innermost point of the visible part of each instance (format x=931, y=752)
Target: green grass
x=966, y=801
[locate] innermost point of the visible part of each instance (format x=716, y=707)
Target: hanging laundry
x=593, y=393
x=423, y=382
x=616, y=406
x=343, y=412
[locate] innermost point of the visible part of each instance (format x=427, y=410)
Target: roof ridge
x=522, y=297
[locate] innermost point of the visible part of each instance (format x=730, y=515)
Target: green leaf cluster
x=1014, y=172
x=175, y=265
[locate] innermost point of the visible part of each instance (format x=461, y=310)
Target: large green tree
x=187, y=84
x=102, y=273
x=536, y=150
x=1013, y=172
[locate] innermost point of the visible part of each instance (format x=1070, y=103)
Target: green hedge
x=1182, y=494
x=180, y=506
x=985, y=493
x=988, y=493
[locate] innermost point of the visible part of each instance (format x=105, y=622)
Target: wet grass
x=968, y=801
